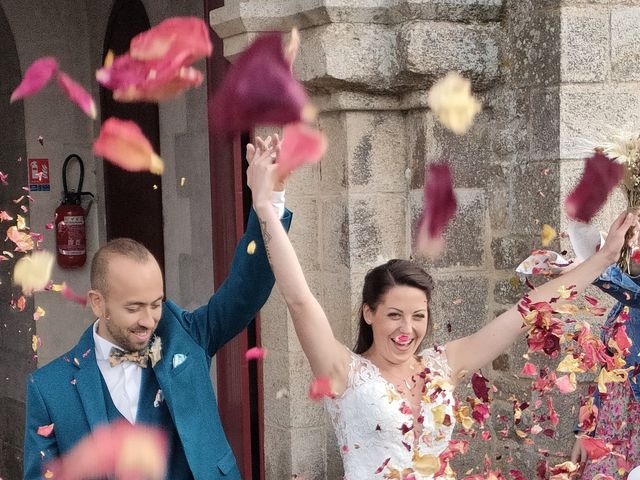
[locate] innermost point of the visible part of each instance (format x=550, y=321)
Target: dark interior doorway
x=133, y=201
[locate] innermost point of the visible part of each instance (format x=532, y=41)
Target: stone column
x=367, y=65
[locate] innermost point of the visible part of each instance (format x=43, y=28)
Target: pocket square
x=178, y=359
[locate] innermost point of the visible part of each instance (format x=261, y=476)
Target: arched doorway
x=133, y=201
x=16, y=356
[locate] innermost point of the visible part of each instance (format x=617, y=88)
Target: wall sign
x=39, y=174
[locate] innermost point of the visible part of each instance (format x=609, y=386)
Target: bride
x=392, y=404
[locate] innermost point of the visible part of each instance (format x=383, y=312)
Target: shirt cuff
x=277, y=200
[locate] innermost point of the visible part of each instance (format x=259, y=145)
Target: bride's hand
x=617, y=233
x=262, y=172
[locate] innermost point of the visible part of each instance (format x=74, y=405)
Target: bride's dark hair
x=378, y=282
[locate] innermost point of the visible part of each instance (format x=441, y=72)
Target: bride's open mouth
x=403, y=341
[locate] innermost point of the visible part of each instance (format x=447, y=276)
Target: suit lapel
x=88, y=381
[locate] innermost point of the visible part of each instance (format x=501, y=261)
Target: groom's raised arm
x=239, y=298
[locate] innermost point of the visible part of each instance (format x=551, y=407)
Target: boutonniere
x=155, y=351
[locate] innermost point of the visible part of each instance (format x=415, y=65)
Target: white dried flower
x=451, y=100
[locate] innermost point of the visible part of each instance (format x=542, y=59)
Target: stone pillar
x=367, y=66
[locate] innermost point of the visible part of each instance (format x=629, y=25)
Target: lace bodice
x=375, y=427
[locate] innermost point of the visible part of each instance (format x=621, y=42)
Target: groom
x=110, y=374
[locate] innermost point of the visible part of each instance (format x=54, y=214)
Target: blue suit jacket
x=68, y=392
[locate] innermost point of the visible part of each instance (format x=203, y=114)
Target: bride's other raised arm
x=470, y=353
x=326, y=355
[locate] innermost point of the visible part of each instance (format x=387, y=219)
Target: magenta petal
x=259, y=89
x=255, y=353
x=599, y=178
x=35, y=78
x=301, y=144
x=480, y=387
x=439, y=208
x=77, y=94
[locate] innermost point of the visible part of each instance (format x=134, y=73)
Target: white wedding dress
x=375, y=427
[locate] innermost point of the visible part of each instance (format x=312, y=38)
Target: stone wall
x=550, y=74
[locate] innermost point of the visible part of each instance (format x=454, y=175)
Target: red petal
x=600, y=176
x=35, y=78
x=73, y=296
x=320, y=387
x=301, y=144
x=255, y=353
x=77, y=94
x=123, y=144
x=259, y=88
x=174, y=36
x=479, y=384
x=595, y=447
x=439, y=208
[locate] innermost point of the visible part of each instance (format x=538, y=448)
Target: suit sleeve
x=37, y=449
x=240, y=297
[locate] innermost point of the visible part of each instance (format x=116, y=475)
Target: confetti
x=77, y=94
x=39, y=313
x=301, y=145
x=33, y=272
x=35, y=78
x=157, y=66
x=45, y=430
x=599, y=177
x=4, y=216
x=260, y=89
x=117, y=450
x=255, y=353
x=35, y=343
x=319, y=388
x=548, y=235
x=71, y=295
x=182, y=181
x=439, y=208
x=122, y=143
x=452, y=102
x=23, y=240
x=251, y=247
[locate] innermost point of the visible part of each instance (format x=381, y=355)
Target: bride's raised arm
x=470, y=353
x=326, y=355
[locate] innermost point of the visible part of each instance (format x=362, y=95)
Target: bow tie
x=117, y=356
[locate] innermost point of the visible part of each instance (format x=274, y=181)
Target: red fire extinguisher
x=71, y=238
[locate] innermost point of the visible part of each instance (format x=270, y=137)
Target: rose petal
x=69, y=294
x=39, y=313
x=319, y=388
x=439, y=208
x=479, y=384
x=4, y=216
x=123, y=144
x=35, y=78
x=255, y=353
x=259, y=88
x=301, y=145
x=566, y=383
x=45, y=430
x=77, y=94
x=23, y=240
x=529, y=370
x=173, y=36
x=117, y=450
x=600, y=176
x=547, y=235
x=596, y=448
x=451, y=100
x=33, y=272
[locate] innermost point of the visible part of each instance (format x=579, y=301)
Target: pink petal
x=255, y=353
x=565, y=385
x=600, y=176
x=77, y=94
x=320, y=387
x=439, y=208
x=3, y=178
x=45, y=430
x=161, y=88
x=35, y=78
x=4, y=216
x=301, y=144
x=529, y=370
x=73, y=296
x=123, y=144
x=172, y=36
x=259, y=89
x=117, y=450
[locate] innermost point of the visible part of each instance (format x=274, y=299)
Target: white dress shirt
x=123, y=380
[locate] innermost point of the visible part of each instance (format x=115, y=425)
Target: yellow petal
x=570, y=365
x=452, y=102
x=32, y=272
x=251, y=248
x=548, y=235
x=426, y=465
